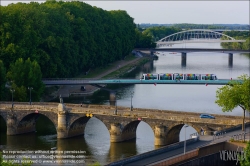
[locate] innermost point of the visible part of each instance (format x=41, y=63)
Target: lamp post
x=115, y=107
x=131, y=107
x=185, y=139
x=12, y=91
x=30, y=88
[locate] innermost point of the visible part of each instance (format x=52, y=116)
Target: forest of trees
x=200, y=26
x=58, y=39
x=65, y=38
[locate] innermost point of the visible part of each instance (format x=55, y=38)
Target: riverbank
x=113, y=70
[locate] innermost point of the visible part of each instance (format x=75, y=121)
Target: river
x=193, y=98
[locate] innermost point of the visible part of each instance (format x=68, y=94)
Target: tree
x=24, y=74
x=3, y=80
x=235, y=94
x=245, y=158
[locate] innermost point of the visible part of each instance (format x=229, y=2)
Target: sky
x=172, y=12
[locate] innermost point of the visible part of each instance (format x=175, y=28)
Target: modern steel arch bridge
x=196, y=36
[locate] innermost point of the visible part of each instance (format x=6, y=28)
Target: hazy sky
x=168, y=12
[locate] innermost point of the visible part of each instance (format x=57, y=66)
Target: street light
x=131, y=107
x=185, y=139
x=12, y=91
x=30, y=88
x=115, y=112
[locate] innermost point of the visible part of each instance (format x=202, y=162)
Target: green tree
x=24, y=74
x=2, y=80
x=245, y=158
x=235, y=94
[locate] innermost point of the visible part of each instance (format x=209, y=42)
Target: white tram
x=178, y=76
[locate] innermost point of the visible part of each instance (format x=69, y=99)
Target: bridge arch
x=27, y=122
x=129, y=130
x=175, y=129
x=3, y=124
x=29, y=115
x=77, y=127
x=199, y=33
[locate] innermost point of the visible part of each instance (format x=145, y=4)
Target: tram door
x=178, y=76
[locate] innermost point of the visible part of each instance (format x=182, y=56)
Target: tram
x=178, y=76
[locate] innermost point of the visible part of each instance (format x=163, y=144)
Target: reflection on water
x=194, y=98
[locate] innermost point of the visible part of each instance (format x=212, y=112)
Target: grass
x=126, y=68
x=99, y=70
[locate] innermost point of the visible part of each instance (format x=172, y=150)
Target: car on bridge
x=83, y=88
x=207, y=116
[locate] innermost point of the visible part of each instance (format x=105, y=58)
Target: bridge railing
x=241, y=137
x=219, y=135
x=222, y=133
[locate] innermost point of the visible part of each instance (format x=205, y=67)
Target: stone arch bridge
x=70, y=120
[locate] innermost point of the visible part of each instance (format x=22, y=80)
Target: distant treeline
x=200, y=26
x=157, y=33
x=241, y=35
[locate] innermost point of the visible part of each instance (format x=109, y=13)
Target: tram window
x=179, y=77
x=164, y=77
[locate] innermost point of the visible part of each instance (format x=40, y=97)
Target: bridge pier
x=160, y=133
x=26, y=125
x=208, y=131
x=11, y=124
x=62, y=122
x=112, y=98
x=115, y=132
x=230, y=59
x=118, y=135
x=183, y=59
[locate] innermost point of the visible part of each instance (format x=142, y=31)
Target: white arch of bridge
x=195, y=30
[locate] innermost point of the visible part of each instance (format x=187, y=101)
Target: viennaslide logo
x=230, y=155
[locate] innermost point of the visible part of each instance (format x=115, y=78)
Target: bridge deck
x=141, y=113
x=133, y=81
x=186, y=50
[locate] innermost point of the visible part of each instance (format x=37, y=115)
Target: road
x=204, y=140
